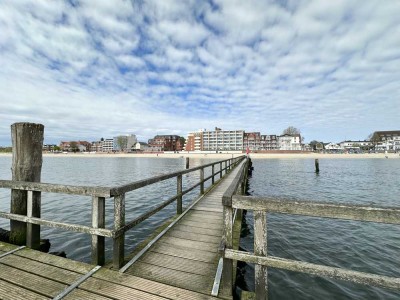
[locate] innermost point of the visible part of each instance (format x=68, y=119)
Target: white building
x=108, y=145
x=333, y=147
x=223, y=140
x=289, y=142
x=355, y=145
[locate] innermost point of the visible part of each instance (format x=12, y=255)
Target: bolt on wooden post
x=27, y=145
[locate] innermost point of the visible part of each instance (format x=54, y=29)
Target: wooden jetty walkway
x=187, y=255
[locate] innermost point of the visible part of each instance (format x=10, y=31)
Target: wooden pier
x=187, y=255
x=181, y=263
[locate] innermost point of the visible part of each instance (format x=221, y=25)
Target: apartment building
x=223, y=140
x=268, y=142
x=289, y=142
x=167, y=142
x=252, y=141
x=108, y=145
x=387, y=140
x=194, y=141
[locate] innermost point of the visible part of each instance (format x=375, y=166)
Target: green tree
x=121, y=142
x=73, y=146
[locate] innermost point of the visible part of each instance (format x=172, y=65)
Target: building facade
x=167, y=142
x=252, y=141
x=268, y=142
x=223, y=140
x=387, y=140
x=289, y=142
x=194, y=141
x=108, y=145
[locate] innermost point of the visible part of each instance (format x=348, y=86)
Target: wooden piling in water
x=27, y=145
x=187, y=162
x=316, y=165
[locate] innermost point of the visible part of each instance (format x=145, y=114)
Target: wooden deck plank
x=190, y=244
x=195, y=236
x=156, y=288
x=10, y=291
x=79, y=294
x=116, y=291
x=176, y=278
x=32, y=282
x=179, y=263
x=184, y=252
x=194, y=229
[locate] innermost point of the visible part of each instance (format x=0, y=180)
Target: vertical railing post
x=98, y=221
x=260, y=249
x=226, y=169
x=119, y=241
x=33, y=210
x=220, y=170
x=213, y=176
x=179, y=193
x=227, y=272
x=202, y=181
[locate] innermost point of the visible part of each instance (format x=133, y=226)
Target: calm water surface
x=360, y=246
x=104, y=171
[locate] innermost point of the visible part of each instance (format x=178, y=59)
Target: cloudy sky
x=92, y=69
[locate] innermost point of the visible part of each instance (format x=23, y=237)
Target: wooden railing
x=263, y=205
x=99, y=195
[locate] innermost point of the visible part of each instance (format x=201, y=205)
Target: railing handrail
x=100, y=191
x=357, y=212
x=99, y=194
x=261, y=205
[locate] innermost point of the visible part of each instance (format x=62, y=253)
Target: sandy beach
x=228, y=155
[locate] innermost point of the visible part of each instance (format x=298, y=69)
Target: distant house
x=167, y=142
x=386, y=140
x=144, y=147
x=289, y=142
x=333, y=147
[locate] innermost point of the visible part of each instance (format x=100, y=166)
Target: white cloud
x=255, y=65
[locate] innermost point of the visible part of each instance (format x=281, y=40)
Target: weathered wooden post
x=316, y=166
x=27, y=144
x=226, y=167
x=212, y=173
x=119, y=222
x=98, y=221
x=220, y=170
x=260, y=249
x=227, y=272
x=179, y=193
x=187, y=162
x=202, y=181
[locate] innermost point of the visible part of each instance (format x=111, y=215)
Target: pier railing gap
x=99, y=195
x=234, y=199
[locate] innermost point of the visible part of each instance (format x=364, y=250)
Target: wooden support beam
x=201, y=181
x=32, y=230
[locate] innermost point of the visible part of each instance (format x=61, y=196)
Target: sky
x=93, y=69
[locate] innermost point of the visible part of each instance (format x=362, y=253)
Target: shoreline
x=225, y=155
